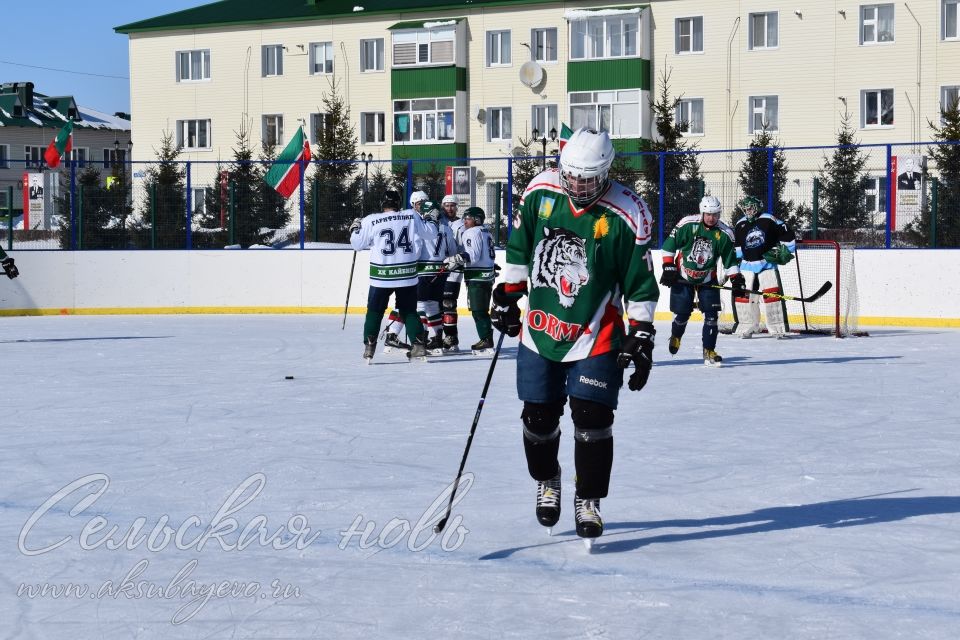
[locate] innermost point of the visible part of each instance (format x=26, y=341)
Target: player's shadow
x=85, y=339
x=744, y=361
x=835, y=514
x=830, y=515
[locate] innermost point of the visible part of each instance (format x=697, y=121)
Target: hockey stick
x=346, y=302
x=473, y=428
x=779, y=296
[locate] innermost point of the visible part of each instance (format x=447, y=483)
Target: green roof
x=236, y=12
x=44, y=114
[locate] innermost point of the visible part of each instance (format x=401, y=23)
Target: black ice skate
x=711, y=358
x=483, y=347
x=548, y=502
x=451, y=344
x=589, y=520
x=369, y=347
x=418, y=350
x=435, y=346
x=674, y=345
x=392, y=343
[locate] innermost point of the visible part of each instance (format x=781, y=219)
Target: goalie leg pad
x=774, y=309
x=748, y=309
x=593, y=447
x=541, y=438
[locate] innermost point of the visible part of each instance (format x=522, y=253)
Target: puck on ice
x=288, y=378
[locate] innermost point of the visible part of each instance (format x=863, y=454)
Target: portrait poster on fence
x=33, y=198
x=460, y=184
x=908, y=188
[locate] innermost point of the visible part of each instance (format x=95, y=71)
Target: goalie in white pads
x=479, y=271
x=764, y=242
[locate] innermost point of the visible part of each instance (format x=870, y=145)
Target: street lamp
x=367, y=158
x=543, y=141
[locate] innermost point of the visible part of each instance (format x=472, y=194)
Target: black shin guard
x=541, y=438
x=593, y=447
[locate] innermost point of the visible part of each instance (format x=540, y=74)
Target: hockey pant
x=478, y=301
x=377, y=300
x=451, y=293
x=593, y=443
x=775, y=309
x=708, y=301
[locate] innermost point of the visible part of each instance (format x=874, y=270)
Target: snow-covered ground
x=810, y=489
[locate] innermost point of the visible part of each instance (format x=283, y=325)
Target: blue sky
x=76, y=37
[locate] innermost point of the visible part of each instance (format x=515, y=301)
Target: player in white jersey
x=451, y=290
x=479, y=272
x=437, y=246
x=395, y=321
x=395, y=240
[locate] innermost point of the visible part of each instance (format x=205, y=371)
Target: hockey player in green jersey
x=579, y=249
x=690, y=256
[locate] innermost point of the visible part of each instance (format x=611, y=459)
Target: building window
x=423, y=120
x=273, y=130
x=763, y=30
x=498, y=48
x=79, y=156
x=114, y=158
x=200, y=200
x=4, y=156
x=423, y=47
x=690, y=116
x=371, y=55
x=875, y=195
x=949, y=11
x=193, y=66
x=764, y=114
x=544, y=119
x=321, y=127
x=604, y=37
x=876, y=23
x=33, y=156
x=616, y=112
x=193, y=134
x=3, y=200
x=321, y=58
x=544, y=43
x=499, y=124
x=950, y=98
x=271, y=56
x=877, y=108
x=689, y=35
x=372, y=126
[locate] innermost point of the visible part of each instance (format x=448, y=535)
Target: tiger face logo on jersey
x=701, y=252
x=560, y=263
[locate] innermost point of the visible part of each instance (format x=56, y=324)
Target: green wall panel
x=598, y=75
x=428, y=151
x=428, y=82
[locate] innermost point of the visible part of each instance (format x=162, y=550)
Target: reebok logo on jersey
x=593, y=383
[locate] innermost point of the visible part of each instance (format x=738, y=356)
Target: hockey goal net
x=835, y=313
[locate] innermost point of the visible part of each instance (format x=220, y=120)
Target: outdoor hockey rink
x=809, y=489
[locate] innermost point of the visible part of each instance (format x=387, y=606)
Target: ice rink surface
x=163, y=479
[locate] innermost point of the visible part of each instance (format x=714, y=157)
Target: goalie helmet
x=750, y=206
x=585, y=164
x=475, y=215
x=391, y=200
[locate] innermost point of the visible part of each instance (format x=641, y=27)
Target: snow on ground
x=808, y=489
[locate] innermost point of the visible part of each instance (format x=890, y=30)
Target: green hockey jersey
x=698, y=249
x=583, y=267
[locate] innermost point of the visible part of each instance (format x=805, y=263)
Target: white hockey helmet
x=417, y=197
x=449, y=199
x=711, y=205
x=584, y=165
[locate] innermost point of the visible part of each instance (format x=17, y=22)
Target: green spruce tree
x=244, y=178
x=162, y=223
x=946, y=158
x=754, y=180
x=843, y=207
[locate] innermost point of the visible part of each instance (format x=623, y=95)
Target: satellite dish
x=531, y=73
x=475, y=112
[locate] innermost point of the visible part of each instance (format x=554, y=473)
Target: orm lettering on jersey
x=553, y=326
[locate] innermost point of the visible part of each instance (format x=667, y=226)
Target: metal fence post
x=661, y=196
x=189, y=201
x=232, y=210
x=509, y=212
x=815, y=223
x=770, y=200
x=409, y=189
x=934, y=206
x=498, y=189
x=315, y=185
x=9, y=218
x=891, y=205
x=302, y=205
x=73, y=204
x=80, y=218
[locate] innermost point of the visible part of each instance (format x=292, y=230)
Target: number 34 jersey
x=395, y=240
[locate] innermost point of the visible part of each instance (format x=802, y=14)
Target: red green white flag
x=284, y=174
x=59, y=146
x=565, y=133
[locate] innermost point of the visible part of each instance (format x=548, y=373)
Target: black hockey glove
x=505, y=313
x=739, y=285
x=355, y=225
x=638, y=349
x=670, y=275
x=10, y=268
